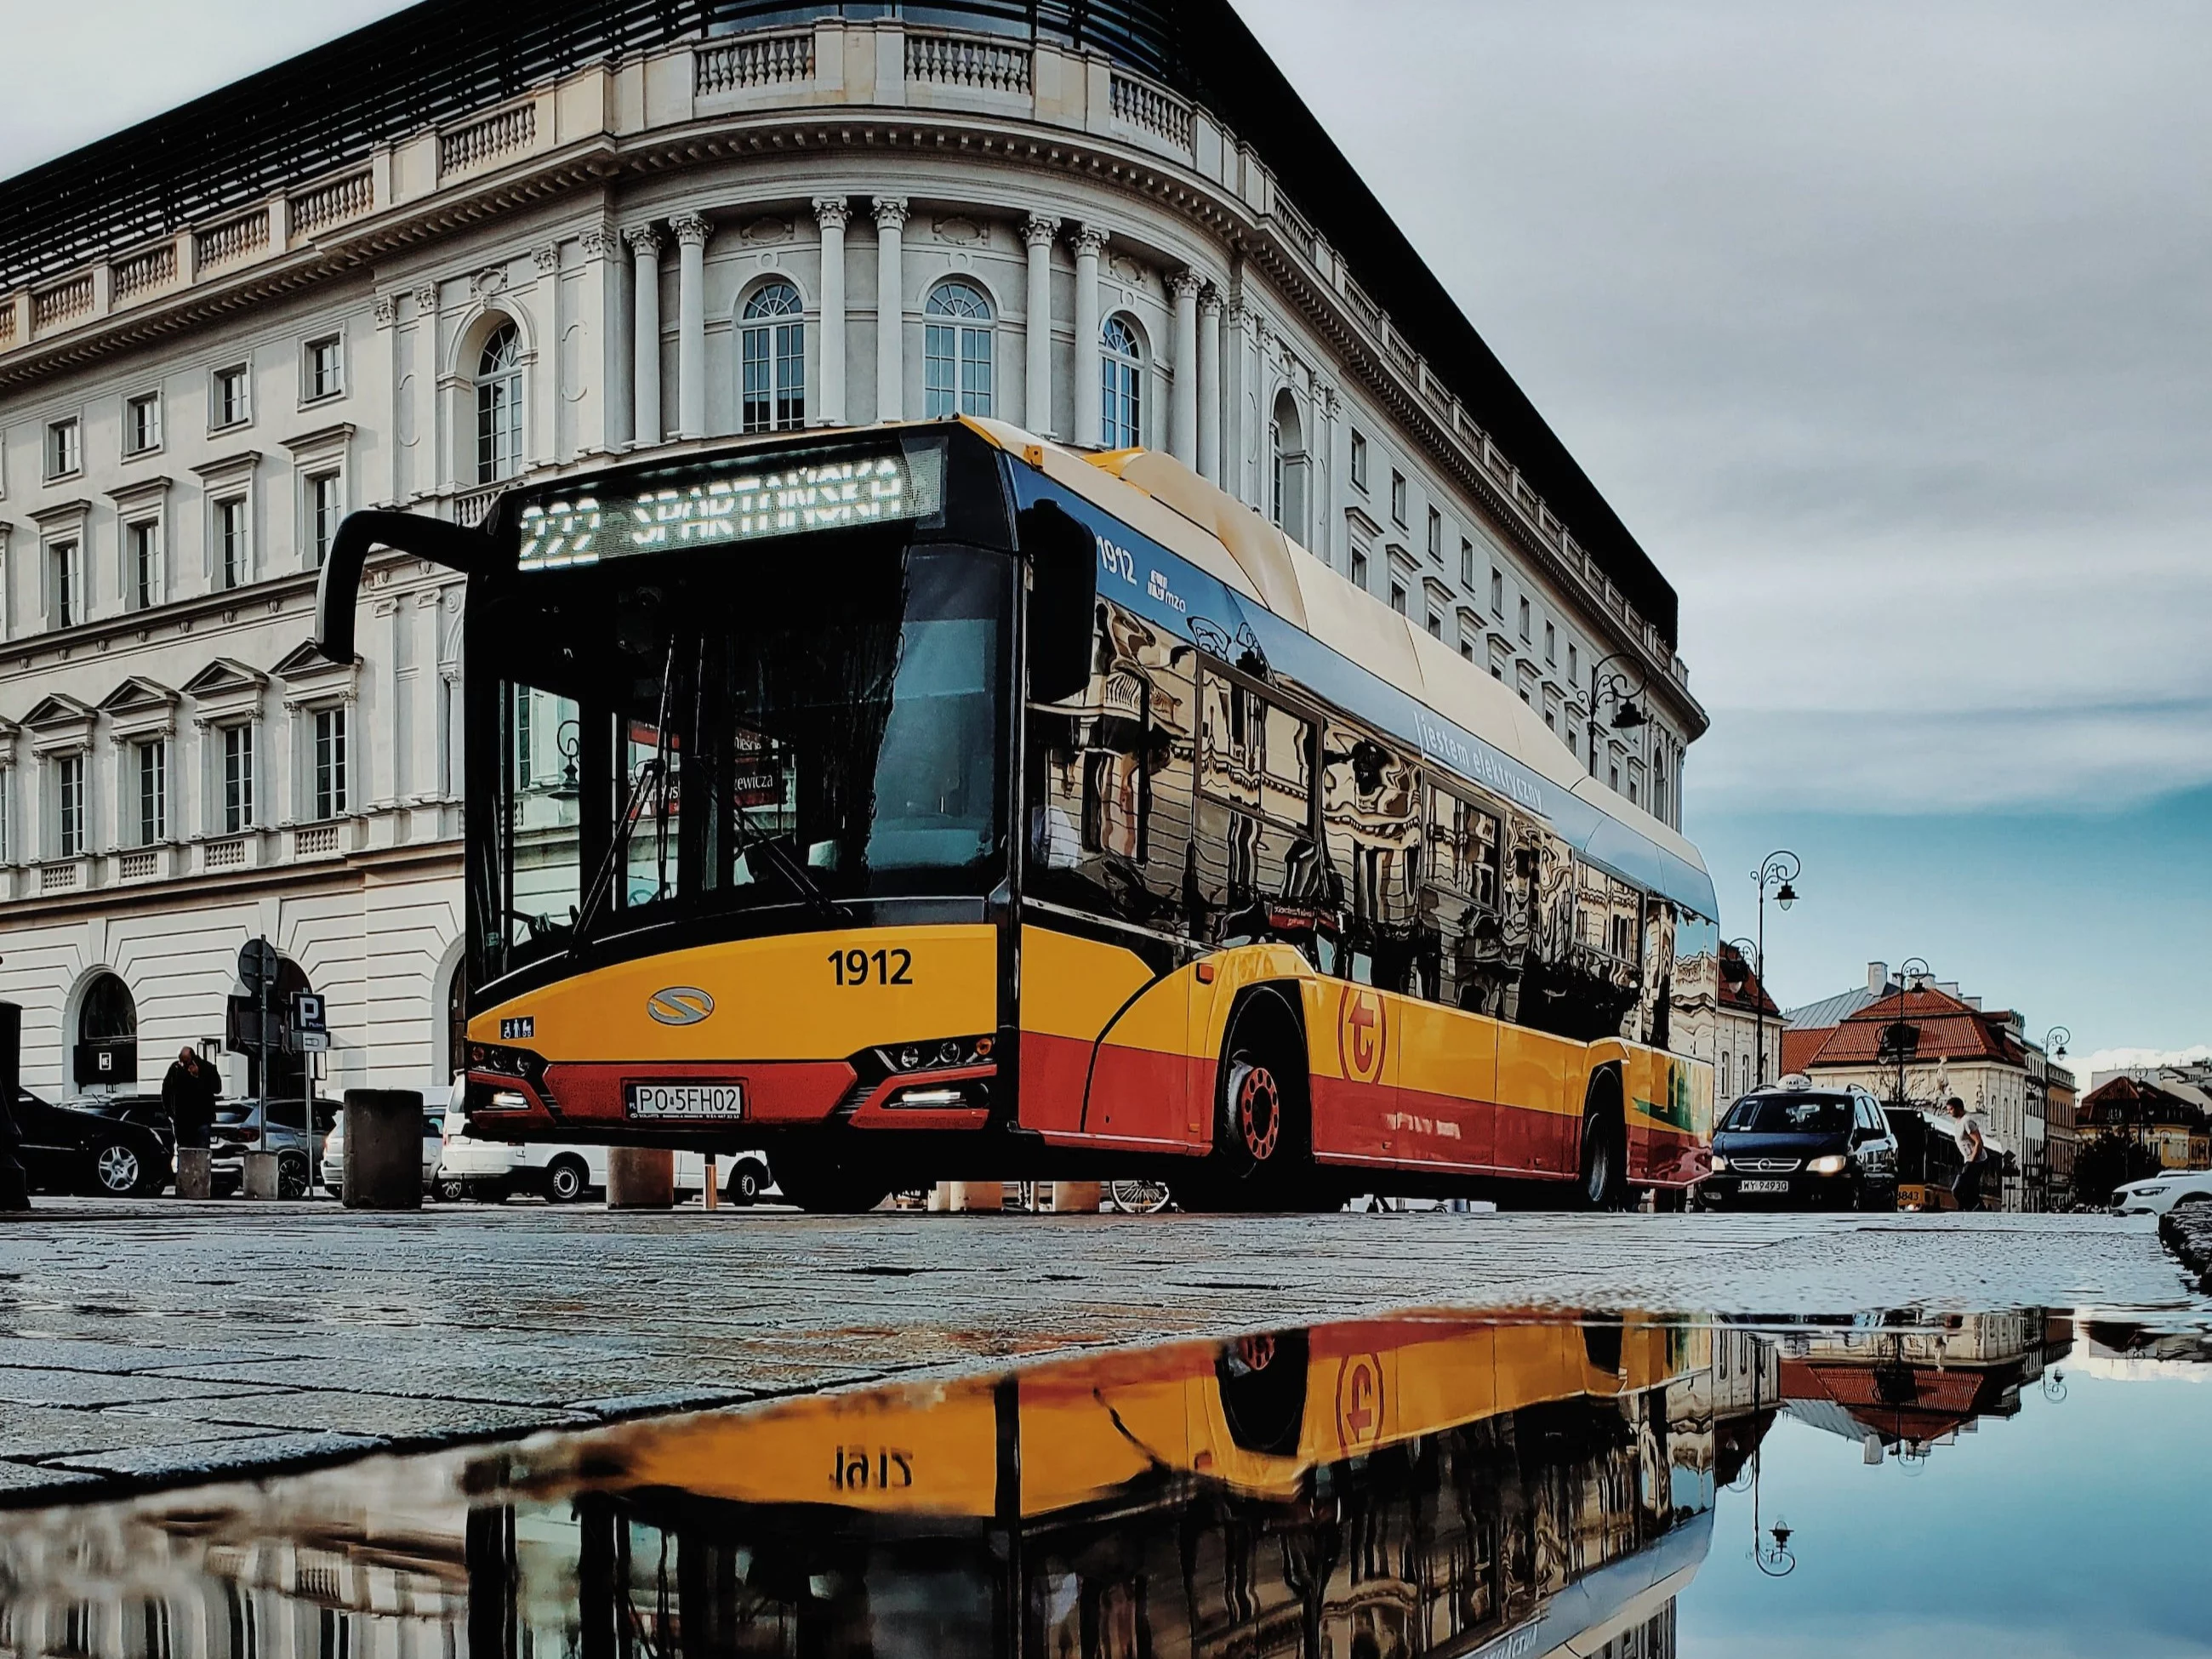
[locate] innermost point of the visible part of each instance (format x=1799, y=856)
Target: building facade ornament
x=597, y=243
x=547, y=257
x=691, y=229
x=890, y=212
x=644, y=240
x=1089, y=241
x=1040, y=229
x=832, y=212
x=386, y=310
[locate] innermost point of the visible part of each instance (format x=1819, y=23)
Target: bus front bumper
x=692, y=1101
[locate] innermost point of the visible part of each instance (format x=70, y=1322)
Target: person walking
x=188, y=1096
x=1973, y=1152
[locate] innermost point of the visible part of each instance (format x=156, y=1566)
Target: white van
x=497, y=1169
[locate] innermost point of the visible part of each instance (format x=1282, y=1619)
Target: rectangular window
x=324, y=369
x=69, y=803
x=1398, y=497
x=1574, y=662
x=1466, y=563
x=1525, y=615
x=325, y=507
x=1398, y=598
x=1498, y=592
x=330, y=763
x=1466, y=647
x=232, y=566
x=153, y=794
x=65, y=607
x=1551, y=644
x=142, y=423
x=1358, y=462
x=64, y=448
x=1359, y=570
x=1436, y=535
x=229, y=399
x=237, y=778
x=142, y=546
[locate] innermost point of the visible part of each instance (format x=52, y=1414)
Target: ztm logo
x=1362, y=1032
x=1359, y=1403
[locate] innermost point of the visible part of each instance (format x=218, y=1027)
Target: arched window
x=772, y=350
x=1122, y=384
x=106, y=1034
x=1286, y=447
x=498, y=406
x=956, y=351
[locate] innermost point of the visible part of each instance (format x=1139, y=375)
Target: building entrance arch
x=107, y=1052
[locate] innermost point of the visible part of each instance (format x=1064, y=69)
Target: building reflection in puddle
x=1472, y=1487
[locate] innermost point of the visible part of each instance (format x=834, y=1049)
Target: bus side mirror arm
x=469, y=551
x=1062, y=557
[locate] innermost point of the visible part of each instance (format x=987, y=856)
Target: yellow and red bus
x=931, y=801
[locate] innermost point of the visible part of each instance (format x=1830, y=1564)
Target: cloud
x=2128, y=1059
x=1880, y=327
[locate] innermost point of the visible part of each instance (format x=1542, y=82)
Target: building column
x=645, y=312
x=395, y=370
x=547, y=395
x=830, y=212
x=433, y=456
x=605, y=411
x=1209, y=384
x=1090, y=243
x=692, y=234
x=1324, y=510
x=891, y=309
x=1182, y=435
x=1039, y=232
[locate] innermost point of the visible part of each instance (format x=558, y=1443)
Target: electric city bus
x=930, y=801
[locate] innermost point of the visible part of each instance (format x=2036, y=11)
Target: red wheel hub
x=1260, y=1113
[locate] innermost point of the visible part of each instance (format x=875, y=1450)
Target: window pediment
x=309, y=677
x=231, y=469
x=321, y=446
x=140, y=707
x=145, y=496
x=225, y=689
x=1361, y=523
x=59, y=724
x=61, y=517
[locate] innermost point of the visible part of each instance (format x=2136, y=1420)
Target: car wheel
x=117, y=1169
x=291, y=1176
x=743, y=1185
x=2192, y=1201
x=565, y=1179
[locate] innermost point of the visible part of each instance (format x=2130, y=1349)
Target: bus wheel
x=1260, y=1135
x=1604, y=1184
x=821, y=1186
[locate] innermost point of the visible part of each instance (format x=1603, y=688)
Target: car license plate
x=683, y=1103
x=1762, y=1186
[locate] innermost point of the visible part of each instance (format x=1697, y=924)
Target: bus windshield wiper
x=603, y=883
x=808, y=890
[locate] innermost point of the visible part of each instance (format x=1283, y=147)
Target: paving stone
x=215, y=1460
x=41, y=1433
x=388, y=1417
x=27, y=1386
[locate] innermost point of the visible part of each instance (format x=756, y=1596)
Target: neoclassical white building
x=379, y=276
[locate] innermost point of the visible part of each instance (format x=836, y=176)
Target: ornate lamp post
x=1747, y=964
x=1778, y=869
x=1627, y=712
x=1896, y=1034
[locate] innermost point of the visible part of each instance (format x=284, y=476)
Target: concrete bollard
x=977, y=1197
x=640, y=1178
x=1076, y=1197
x=261, y=1179
x=193, y=1180
x=383, y=1149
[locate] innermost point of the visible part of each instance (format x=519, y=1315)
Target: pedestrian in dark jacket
x=188, y=1095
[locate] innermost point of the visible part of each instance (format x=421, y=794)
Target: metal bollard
x=640, y=1178
x=383, y=1149
x=193, y=1180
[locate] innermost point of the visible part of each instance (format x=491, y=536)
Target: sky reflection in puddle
x=2016, y=1482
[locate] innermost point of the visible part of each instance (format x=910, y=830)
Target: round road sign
x=256, y=963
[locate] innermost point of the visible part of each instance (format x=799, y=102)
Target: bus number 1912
x=877, y=1468
x=857, y=966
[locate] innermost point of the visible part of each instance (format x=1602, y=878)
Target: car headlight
x=1720, y=1162
x=2151, y=1191
x=1832, y=1164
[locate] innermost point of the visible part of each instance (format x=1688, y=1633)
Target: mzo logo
x=1158, y=590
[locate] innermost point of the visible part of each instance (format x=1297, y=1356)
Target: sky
x=1885, y=326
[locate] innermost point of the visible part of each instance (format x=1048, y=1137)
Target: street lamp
x=1897, y=1033
x=1778, y=869
x=2055, y=1041
x=1627, y=712
x=1745, y=965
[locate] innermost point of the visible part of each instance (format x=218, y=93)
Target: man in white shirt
x=1973, y=1152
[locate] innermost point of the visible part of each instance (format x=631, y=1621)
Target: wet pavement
x=1915, y=1480
x=150, y=1344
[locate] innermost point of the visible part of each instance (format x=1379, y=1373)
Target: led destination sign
x=731, y=503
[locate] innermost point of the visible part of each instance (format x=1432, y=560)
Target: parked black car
x=1793, y=1146
x=73, y=1149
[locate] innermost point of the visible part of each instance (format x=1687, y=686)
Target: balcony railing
x=155, y=268
x=770, y=60
x=955, y=61
x=481, y=142
x=137, y=863
x=341, y=199
x=235, y=239
x=228, y=854
x=1152, y=109
x=63, y=877
x=472, y=506
x=310, y=840
x=52, y=307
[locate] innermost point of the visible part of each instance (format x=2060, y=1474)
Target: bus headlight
x=937, y=1055
x=1832, y=1164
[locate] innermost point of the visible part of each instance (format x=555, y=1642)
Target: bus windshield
x=704, y=732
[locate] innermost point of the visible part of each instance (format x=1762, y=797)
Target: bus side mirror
x=340, y=589
x=1063, y=565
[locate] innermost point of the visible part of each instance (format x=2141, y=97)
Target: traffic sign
x=257, y=964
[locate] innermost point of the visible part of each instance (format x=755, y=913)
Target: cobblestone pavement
x=143, y=1343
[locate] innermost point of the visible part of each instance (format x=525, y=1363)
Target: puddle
x=2018, y=1482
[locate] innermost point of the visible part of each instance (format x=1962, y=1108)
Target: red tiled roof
x=1949, y=1029
x=1798, y=1047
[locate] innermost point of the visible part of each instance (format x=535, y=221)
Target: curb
x=2188, y=1233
